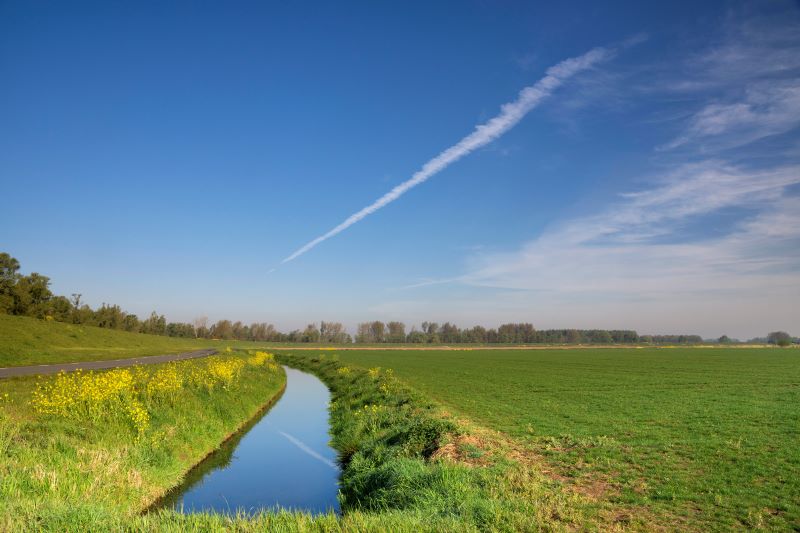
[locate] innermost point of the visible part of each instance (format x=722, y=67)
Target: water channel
x=280, y=460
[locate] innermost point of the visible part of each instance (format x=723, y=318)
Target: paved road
x=17, y=371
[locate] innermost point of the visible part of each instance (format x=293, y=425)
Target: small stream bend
x=280, y=460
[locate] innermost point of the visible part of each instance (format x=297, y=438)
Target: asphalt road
x=16, y=371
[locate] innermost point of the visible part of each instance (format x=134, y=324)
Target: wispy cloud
x=712, y=243
x=622, y=251
x=751, y=80
x=766, y=108
x=510, y=114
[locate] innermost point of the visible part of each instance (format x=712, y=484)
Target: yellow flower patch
x=127, y=392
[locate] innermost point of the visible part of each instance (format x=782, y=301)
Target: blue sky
x=170, y=157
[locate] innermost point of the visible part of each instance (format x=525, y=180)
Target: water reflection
x=281, y=460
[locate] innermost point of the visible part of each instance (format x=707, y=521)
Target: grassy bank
x=88, y=451
x=30, y=341
x=696, y=439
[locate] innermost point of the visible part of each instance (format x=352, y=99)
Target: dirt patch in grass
x=477, y=447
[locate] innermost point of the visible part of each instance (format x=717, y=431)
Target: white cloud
x=753, y=73
x=767, y=108
x=621, y=250
x=710, y=247
x=647, y=261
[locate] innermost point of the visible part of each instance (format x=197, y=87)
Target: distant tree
x=261, y=331
x=431, y=330
x=200, y=323
x=270, y=333
x=156, y=324
x=30, y=295
x=109, y=316
x=624, y=336
x=397, y=332
x=677, y=339
x=505, y=333
x=223, y=329
x=240, y=331
x=378, y=331
x=477, y=335
x=82, y=314
x=449, y=333
x=180, y=329
x=131, y=323
x=724, y=340
x=416, y=337
x=60, y=308
x=363, y=333
x=781, y=338
x=9, y=267
x=311, y=334
x=520, y=333
x=332, y=332
x=600, y=336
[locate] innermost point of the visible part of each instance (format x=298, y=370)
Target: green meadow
x=694, y=438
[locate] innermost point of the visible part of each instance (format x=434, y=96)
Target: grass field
x=684, y=438
x=695, y=438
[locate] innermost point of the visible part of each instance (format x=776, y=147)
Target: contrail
x=510, y=114
x=303, y=446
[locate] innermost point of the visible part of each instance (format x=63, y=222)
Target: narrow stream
x=281, y=460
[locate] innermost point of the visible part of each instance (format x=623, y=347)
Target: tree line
x=31, y=296
x=512, y=333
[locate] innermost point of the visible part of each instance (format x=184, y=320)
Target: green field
x=697, y=438
x=683, y=438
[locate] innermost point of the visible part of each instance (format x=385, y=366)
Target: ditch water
x=280, y=460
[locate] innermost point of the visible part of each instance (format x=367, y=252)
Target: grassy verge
x=89, y=452
x=696, y=439
x=30, y=341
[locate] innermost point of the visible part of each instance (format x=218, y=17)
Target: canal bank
x=280, y=460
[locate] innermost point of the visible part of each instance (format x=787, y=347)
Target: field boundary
x=478, y=347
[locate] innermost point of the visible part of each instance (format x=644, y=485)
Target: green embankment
x=30, y=341
x=697, y=438
x=94, y=464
